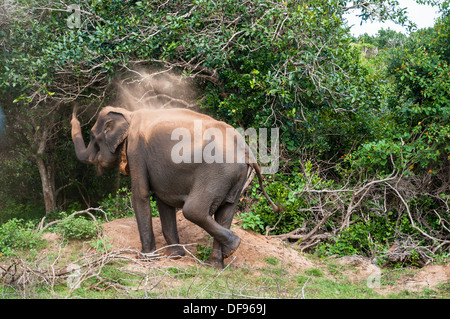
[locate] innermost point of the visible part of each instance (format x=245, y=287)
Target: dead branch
x=26, y=274
x=41, y=226
x=413, y=224
x=339, y=208
x=364, y=190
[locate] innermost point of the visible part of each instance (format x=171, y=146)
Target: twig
x=366, y=187
x=41, y=226
x=413, y=224
x=215, y=278
x=303, y=288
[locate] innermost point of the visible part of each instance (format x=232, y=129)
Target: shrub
x=118, y=205
x=292, y=192
x=203, y=252
x=78, y=227
x=251, y=221
x=16, y=234
x=355, y=240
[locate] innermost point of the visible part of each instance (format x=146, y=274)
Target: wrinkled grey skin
x=202, y=190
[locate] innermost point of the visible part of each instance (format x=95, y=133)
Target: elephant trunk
x=84, y=155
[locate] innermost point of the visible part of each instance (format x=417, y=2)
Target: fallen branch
x=413, y=224
x=31, y=274
x=330, y=211
x=41, y=226
x=303, y=237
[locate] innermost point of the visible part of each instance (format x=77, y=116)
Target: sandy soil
x=253, y=251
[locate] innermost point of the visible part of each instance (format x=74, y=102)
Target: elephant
x=145, y=144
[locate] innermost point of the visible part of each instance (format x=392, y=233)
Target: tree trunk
x=47, y=173
x=46, y=169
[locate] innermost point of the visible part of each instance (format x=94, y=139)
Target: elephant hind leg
x=224, y=217
x=225, y=242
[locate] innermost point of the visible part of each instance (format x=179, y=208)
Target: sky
x=423, y=15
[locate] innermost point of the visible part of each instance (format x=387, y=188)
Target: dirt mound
x=255, y=250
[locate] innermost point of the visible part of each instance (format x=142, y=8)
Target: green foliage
x=16, y=234
x=287, y=192
x=415, y=132
x=421, y=72
x=101, y=244
x=203, y=252
x=120, y=205
x=77, y=227
x=370, y=237
x=251, y=221
x=21, y=210
x=384, y=39
x=21, y=187
x=291, y=220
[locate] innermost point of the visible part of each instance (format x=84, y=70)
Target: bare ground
x=394, y=280
x=254, y=250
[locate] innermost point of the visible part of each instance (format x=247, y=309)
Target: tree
x=255, y=63
x=31, y=127
x=384, y=39
x=421, y=75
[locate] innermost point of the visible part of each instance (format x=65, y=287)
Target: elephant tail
x=276, y=209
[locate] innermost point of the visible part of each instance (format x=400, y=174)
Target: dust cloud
x=155, y=89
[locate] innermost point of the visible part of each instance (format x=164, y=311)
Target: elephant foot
x=215, y=259
x=175, y=252
x=215, y=263
x=229, y=249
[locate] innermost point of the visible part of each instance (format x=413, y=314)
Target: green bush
x=78, y=227
x=251, y=221
x=355, y=240
x=414, y=133
x=12, y=208
x=16, y=234
x=371, y=237
x=118, y=205
x=286, y=190
x=266, y=217
x=203, y=252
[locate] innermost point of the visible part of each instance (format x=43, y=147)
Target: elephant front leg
x=168, y=218
x=141, y=205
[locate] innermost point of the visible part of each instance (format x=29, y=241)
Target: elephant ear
x=115, y=130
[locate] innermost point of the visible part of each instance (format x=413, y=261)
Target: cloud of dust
x=155, y=89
